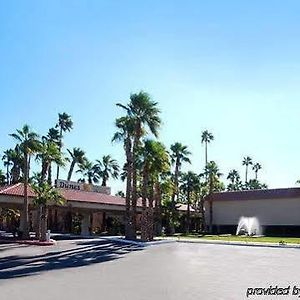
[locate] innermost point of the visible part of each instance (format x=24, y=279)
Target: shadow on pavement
x=86, y=253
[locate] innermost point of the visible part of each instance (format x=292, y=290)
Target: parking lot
x=102, y=269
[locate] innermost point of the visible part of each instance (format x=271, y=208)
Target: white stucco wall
x=268, y=211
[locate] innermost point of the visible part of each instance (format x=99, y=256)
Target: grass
x=234, y=238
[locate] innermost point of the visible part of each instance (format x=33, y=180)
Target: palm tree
x=246, y=162
x=52, y=136
x=155, y=162
x=235, y=182
x=89, y=172
x=77, y=157
x=179, y=155
x=17, y=158
x=213, y=175
x=256, y=167
x=29, y=144
x=108, y=167
x=47, y=154
x=125, y=126
x=8, y=162
x=144, y=114
x=64, y=124
x=206, y=138
x=190, y=183
x=45, y=194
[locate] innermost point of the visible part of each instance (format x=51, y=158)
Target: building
x=277, y=210
x=86, y=209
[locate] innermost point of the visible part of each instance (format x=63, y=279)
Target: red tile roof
x=16, y=190
x=256, y=194
x=69, y=195
x=74, y=195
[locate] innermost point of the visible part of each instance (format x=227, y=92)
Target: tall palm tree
x=144, y=114
x=89, y=172
x=190, y=182
x=77, y=157
x=256, y=167
x=8, y=162
x=179, y=155
x=107, y=167
x=213, y=174
x=64, y=124
x=29, y=144
x=247, y=161
x=125, y=127
x=52, y=136
x=206, y=138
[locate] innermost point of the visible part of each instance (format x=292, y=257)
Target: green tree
x=17, y=158
x=206, y=138
x=49, y=153
x=77, y=158
x=179, y=155
x=256, y=167
x=213, y=174
x=52, y=136
x=235, y=181
x=107, y=167
x=125, y=131
x=64, y=124
x=29, y=144
x=144, y=114
x=155, y=162
x=247, y=161
x=45, y=194
x=190, y=188
x=89, y=172
x=8, y=162
x=254, y=184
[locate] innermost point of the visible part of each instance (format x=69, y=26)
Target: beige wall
x=268, y=211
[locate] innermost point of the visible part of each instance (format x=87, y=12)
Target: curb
x=29, y=242
x=244, y=244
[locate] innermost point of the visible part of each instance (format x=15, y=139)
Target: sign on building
x=78, y=186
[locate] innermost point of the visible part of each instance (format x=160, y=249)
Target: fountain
x=248, y=226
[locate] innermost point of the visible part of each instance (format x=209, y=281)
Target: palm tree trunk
x=103, y=181
x=134, y=180
x=128, y=222
x=60, y=146
x=50, y=175
x=206, y=156
x=25, y=234
x=7, y=173
x=43, y=218
x=246, y=175
x=71, y=170
x=144, y=220
x=188, y=214
x=210, y=206
x=176, y=176
x=38, y=228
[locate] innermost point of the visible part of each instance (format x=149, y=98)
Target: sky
x=231, y=67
